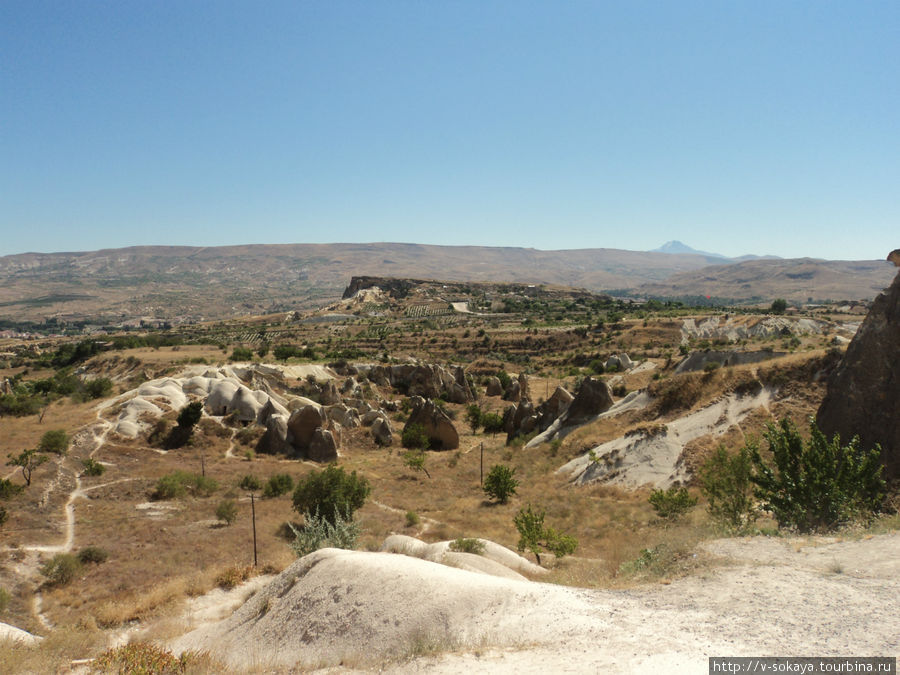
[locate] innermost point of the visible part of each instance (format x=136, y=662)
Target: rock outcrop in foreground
x=863, y=396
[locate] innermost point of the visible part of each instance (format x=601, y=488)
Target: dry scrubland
x=163, y=553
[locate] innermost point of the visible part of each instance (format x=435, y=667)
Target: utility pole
x=482, y=464
x=253, y=515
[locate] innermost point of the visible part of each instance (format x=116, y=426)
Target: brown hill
x=193, y=283
x=796, y=280
x=215, y=282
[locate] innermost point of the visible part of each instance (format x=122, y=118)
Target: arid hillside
x=191, y=284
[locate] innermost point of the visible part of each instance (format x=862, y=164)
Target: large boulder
x=863, y=396
x=442, y=435
x=346, y=417
x=494, y=387
x=553, y=407
x=382, y=432
x=275, y=440
x=330, y=394
x=524, y=392
x=593, y=397
x=302, y=426
x=322, y=446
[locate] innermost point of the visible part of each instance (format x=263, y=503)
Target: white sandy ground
x=642, y=459
x=779, y=597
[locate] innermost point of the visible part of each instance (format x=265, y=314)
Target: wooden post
x=253, y=515
x=482, y=464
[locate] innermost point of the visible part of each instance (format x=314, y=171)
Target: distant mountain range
x=676, y=247
x=193, y=283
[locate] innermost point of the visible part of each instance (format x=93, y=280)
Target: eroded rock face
x=593, y=397
x=303, y=424
x=381, y=431
x=427, y=381
x=494, y=388
x=441, y=432
x=863, y=397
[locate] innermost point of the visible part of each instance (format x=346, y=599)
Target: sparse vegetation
x=92, y=467
x=177, y=484
x=414, y=436
x=464, y=545
x=673, y=503
x=415, y=460
x=55, y=441
x=92, y=555
x=277, y=485
x=61, y=569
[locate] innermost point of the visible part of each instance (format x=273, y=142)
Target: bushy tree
x=500, y=483
x=414, y=436
x=492, y=423
x=55, y=440
x=92, y=467
x=816, y=484
x=535, y=536
x=726, y=483
x=331, y=493
x=673, y=503
x=779, y=305
x=277, y=485
x=190, y=415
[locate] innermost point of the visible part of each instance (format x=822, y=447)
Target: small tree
x=92, y=467
x=227, y=511
x=673, y=503
x=331, y=493
x=534, y=535
x=779, y=305
x=250, y=483
x=55, y=441
x=500, y=483
x=726, y=483
x=190, y=415
x=28, y=461
x=818, y=484
x=473, y=417
x=415, y=460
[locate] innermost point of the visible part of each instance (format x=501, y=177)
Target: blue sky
x=736, y=127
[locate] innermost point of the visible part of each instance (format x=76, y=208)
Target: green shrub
x=817, y=484
x=8, y=489
x=492, y=423
x=412, y=518
x=190, y=415
x=92, y=467
x=227, y=511
x=277, y=485
x=726, y=484
x=55, y=441
x=4, y=516
x=414, y=436
x=673, y=503
x=99, y=387
x=464, y=545
x=241, y=354
x=331, y=493
x=500, y=483
x=61, y=569
x=534, y=535
x=92, y=554
x=5, y=597
x=321, y=532
x=250, y=483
